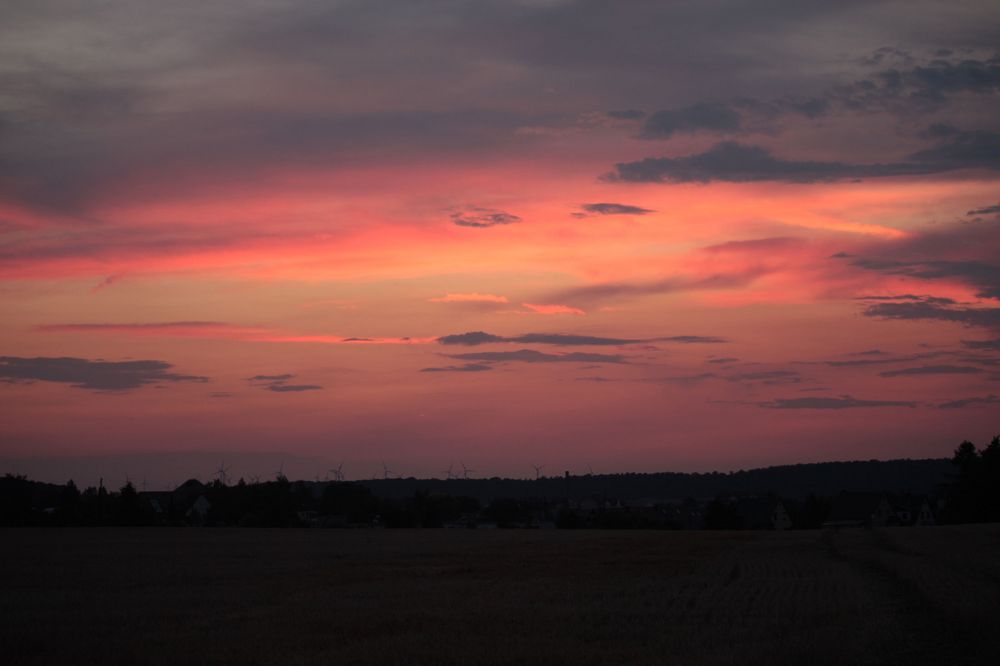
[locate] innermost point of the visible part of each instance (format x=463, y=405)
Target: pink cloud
x=553, y=309
x=469, y=298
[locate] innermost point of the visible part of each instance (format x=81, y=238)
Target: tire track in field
x=931, y=635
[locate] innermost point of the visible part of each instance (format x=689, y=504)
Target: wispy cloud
x=553, y=309
x=568, y=339
x=280, y=383
x=932, y=370
x=843, y=402
x=970, y=316
x=532, y=356
x=467, y=367
x=469, y=298
x=98, y=375
x=970, y=402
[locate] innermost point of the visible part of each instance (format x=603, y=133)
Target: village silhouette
x=963, y=489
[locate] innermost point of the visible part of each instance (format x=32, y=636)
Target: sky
x=410, y=235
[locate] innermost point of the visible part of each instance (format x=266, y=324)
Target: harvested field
x=238, y=596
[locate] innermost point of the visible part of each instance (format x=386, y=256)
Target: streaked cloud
x=467, y=367
x=569, y=339
x=532, y=356
x=932, y=370
x=842, y=402
x=96, y=375
x=553, y=309
x=280, y=383
x=983, y=401
x=469, y=298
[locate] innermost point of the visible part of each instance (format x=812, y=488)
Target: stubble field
x=245, y=596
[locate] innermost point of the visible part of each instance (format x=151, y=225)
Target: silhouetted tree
x=68, y=509
x=15, y=500
x=129, y=510
x=975, y=494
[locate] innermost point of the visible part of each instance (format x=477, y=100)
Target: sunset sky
x=619, y=236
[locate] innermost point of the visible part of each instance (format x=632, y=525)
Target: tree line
x=972, y=495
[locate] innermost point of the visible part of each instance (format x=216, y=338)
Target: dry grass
x=161, y=596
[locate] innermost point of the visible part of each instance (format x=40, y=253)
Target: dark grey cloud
x=279, y=383
x=482, y=218
x=725, y=359
x=970, y=402
x=699, y=117
x=912, y=86
x=902, y=86
x=269, y=378
x=842, y=402
x=881, y=359
x=988, y=210
x=739, y=163
x=567, y=339
x=981, y=316
x=766, y=377
x=962, y=252
x=292, y=388
x=95, y=375
x=404, y=79
x=982, y=344
x=730, y=161
x=532, y=356
x=962, y=150
x=692, y=339
x=467, y=367
x=932, y=370
x=471, y=338
x=614, y=209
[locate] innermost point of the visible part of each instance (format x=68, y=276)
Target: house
x=308, y=517
x=199, y=510
x=160, y=502
x=912, y=510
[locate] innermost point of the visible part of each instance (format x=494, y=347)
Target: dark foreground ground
x=240, y=596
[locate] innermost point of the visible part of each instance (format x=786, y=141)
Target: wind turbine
x=466, y=471
x=538, y=471
x=386, y=472
x=222, y=473
x=280, y=474
x=449, y=473
x=338, y=472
